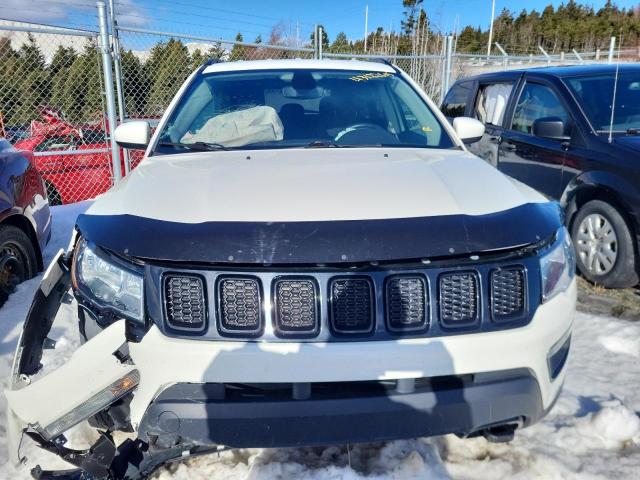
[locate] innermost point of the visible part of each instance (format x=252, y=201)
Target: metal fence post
x=612, y=47
x=108, y=90
x=447, y=66
x=320, y=43
x=505, y=55
x=544, y=52
x=117, y=70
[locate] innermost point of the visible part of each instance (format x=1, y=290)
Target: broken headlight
x=107, y=283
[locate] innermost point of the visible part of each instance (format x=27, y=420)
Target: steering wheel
x=365, y=133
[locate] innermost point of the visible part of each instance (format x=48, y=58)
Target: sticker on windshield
x=363, y=77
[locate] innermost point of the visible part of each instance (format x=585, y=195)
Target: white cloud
x=73, y=12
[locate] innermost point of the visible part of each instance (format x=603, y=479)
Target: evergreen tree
x=172, y=72
x=340, y=44
x=238, y=51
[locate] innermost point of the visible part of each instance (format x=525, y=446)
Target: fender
x=624, y=192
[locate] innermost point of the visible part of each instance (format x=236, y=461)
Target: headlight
x=557, y=266
x=107, y=284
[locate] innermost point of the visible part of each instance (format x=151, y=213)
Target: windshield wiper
x=332, y=144
x=199, y=146
x=323, y=144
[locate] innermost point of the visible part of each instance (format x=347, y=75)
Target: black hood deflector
x=326, y=242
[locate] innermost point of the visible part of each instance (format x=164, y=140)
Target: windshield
x=596, y=97
x=300, y=108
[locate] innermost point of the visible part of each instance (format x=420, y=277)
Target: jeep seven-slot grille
x=240, y=305
x=352, y=305
x=374, y=305
x=406, y=303
x=296, y=306
x=184, y=302
x=458, y=298
x=507, y=293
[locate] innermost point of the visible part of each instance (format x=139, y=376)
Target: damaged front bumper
x=44, y=406
x=149, y=373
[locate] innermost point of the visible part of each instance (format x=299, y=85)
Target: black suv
x=555, y=130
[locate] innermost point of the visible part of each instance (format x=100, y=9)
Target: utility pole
x=297, y=34
x=493, y=13
x=366, y=26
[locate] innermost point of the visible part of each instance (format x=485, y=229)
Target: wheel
x=604, y=246
x=53, y=195
x=18, y=260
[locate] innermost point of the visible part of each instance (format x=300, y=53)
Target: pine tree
x=238, y=51
x=172, y=72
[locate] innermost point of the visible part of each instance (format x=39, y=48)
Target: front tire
x=604, y=246
x=18, y=261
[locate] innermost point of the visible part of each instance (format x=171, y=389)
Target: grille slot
x=296, y=306
x=507, y=293
x=185, y=302
x=459, y=298
x=406, y=303
x=240, y=305
x=352, y=305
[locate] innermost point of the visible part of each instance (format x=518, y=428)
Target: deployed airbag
x=243, y=127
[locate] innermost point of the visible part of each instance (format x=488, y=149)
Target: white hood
x=312, y=185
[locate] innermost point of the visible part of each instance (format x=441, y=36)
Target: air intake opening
x=185, y=305
x=240, y=306
x=296, y=307
x=459, y=295
x=351, y=305
x=507, y=293
x=406, y=303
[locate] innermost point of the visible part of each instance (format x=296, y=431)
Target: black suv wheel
x=604, y=246
x=18, y=260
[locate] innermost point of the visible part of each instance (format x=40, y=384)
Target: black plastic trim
x=203, y=415
x=479, y=303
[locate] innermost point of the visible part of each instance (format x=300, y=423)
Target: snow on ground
x=593, y=431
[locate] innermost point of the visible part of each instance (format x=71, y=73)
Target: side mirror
x=550, y=127
x=134, y=135
x=468, y=129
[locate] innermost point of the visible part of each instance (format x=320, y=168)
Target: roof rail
x=207, y=63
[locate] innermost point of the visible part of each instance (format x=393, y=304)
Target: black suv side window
x=455, y=102
x=537, y=101
x=492, y=101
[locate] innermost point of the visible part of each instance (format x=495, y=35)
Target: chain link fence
x=52, y=105
x=53, y=92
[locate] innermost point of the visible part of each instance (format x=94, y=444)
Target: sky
x=223, y=19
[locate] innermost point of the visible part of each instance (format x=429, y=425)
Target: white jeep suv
x=307, y=255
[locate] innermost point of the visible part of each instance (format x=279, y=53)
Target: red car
x=83, y=169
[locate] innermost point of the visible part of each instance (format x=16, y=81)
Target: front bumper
x=484, y=363
x=462, y=405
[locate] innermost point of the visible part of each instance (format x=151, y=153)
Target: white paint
x=312, y=184
x=136, y=133
x=468, y=128
x=91, y=369
x=587, y=434
x=298, y=63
